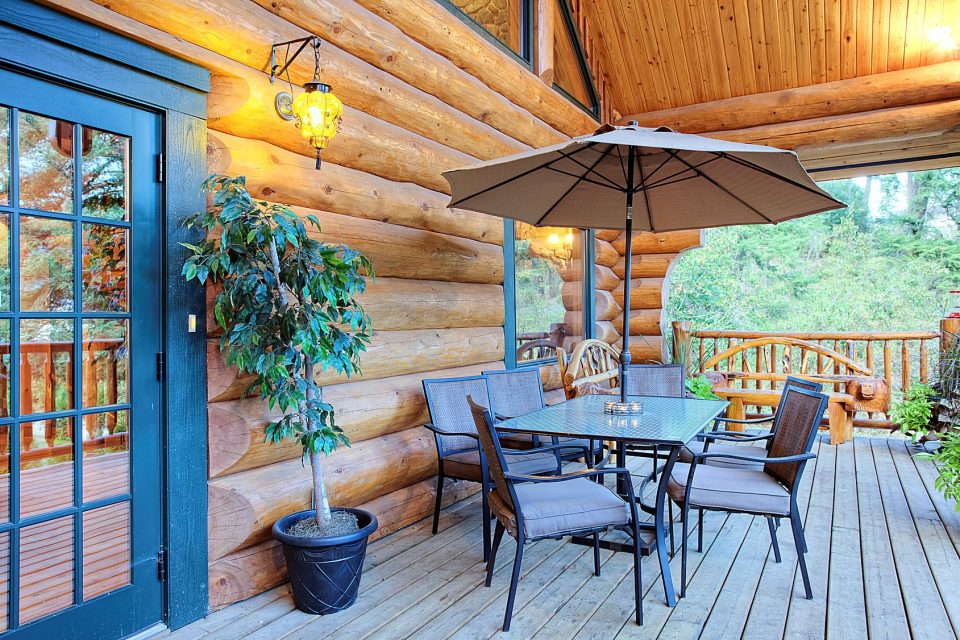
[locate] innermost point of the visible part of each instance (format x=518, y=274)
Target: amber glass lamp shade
x=318, y=113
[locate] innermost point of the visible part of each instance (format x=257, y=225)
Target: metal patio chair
x=770, y=491
x=664, y=380
x=517, y=392
x=537, y=507
x=741, y=444
x=458, y=448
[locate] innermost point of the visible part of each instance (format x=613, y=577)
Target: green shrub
x=701, y=388
x=914, y=410
x=948, y=464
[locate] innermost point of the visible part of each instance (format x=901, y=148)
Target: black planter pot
x=324, y=572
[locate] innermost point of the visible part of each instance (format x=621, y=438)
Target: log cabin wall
x=423, y=93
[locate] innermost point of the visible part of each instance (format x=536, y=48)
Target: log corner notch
x=654, y=255
x=546, y=19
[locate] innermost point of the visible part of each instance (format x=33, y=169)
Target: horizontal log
x=550, y=376
x=434, y=26
x=604, y=253
x=607, y=235
x=243, y=506
x=898, y=123
x=607, y=332
x=255, y=569
x=573, y=320
x=646, y=350
x=397, y=304
x=666, y=242
x=645, y=293
x=245, y=32
x=907, y=164
x=364, y=410
x=241, y=103
x=854, y=95
x=379, y=43
x=883, y=151
x=390, y=353
x=646, y=265
x=243, y=106
x=643, y=322
x=603, y=277
x=605, y=306
x=277, y=174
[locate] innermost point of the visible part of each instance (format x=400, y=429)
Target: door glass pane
x=46, y=466
x=4, y=578
x=46, y=163
x=104, y=362
x=46, y=264
x=104, y=268
x=106, y=455
x=4, y=473
x=106, y=549
x=549, y=290
x=46, y=568
x=104, y=174
x=4, y=155
x=46, y=365
x=4, y=262
x=4, y=368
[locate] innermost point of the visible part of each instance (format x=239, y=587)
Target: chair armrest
x=584, y=473
x=729, y=456
x=747, y=420
x=441, y=432
x=735, y=436
x=552, y=447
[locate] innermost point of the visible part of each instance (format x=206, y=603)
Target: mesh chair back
x=797, y=383
x=665, y=380
x=514, y=393
x=449, y=411
x=490, y=443
x=797, y=423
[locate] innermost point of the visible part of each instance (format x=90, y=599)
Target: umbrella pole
x=627, y=259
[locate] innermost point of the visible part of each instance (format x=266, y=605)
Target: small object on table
x=622, y=408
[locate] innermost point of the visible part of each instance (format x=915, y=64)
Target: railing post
x=682, y=345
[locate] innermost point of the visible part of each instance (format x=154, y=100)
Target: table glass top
x=668, y=421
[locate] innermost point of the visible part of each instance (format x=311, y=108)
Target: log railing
x=898, y=357
x=56, y=361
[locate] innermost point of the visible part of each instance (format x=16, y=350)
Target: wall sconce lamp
x=562, y=250
x=318, y=113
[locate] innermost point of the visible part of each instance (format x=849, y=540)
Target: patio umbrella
x=681, y=181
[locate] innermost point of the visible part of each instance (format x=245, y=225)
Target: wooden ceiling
x=660, y=54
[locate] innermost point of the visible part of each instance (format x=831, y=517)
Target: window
x=508, y=22
x=571, y=73
x=546, y=300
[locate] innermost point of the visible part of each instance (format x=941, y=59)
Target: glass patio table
x=669, y=423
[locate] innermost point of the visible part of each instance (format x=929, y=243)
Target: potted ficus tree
x=289, y=308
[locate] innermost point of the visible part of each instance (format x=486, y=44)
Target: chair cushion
x=466, y=464
x=557, y=508
x=747, y=490
x=696, y=446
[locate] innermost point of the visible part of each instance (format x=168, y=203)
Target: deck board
x=884, y=546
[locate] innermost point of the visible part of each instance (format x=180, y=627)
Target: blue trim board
x=509, y=295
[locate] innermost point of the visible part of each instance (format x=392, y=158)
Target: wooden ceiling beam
x=898, y=123
x=854, y=95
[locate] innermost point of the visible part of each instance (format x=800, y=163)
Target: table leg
x=660, y=527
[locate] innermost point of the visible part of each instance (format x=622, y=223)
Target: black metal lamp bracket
x=277, y=69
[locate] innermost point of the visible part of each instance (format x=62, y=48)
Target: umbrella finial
x=633, y=123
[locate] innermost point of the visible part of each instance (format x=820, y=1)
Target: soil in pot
x=341, y=523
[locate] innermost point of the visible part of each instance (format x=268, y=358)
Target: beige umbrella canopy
x=680, y=181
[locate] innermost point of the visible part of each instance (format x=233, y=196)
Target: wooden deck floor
x=883, y=558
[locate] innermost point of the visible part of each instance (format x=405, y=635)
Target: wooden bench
x=849, y=385
x=592, y=367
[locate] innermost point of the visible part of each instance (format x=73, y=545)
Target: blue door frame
x=44, y=44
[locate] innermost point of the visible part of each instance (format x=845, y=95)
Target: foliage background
x=887, y=262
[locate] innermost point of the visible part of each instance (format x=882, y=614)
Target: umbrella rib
x=661, y=181
x=722, y=188
x=599, y=184
x=660, y=166
x=570, y=157
x=782, y=178
x=572, y=187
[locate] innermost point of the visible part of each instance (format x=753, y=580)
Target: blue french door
x=80, y=401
